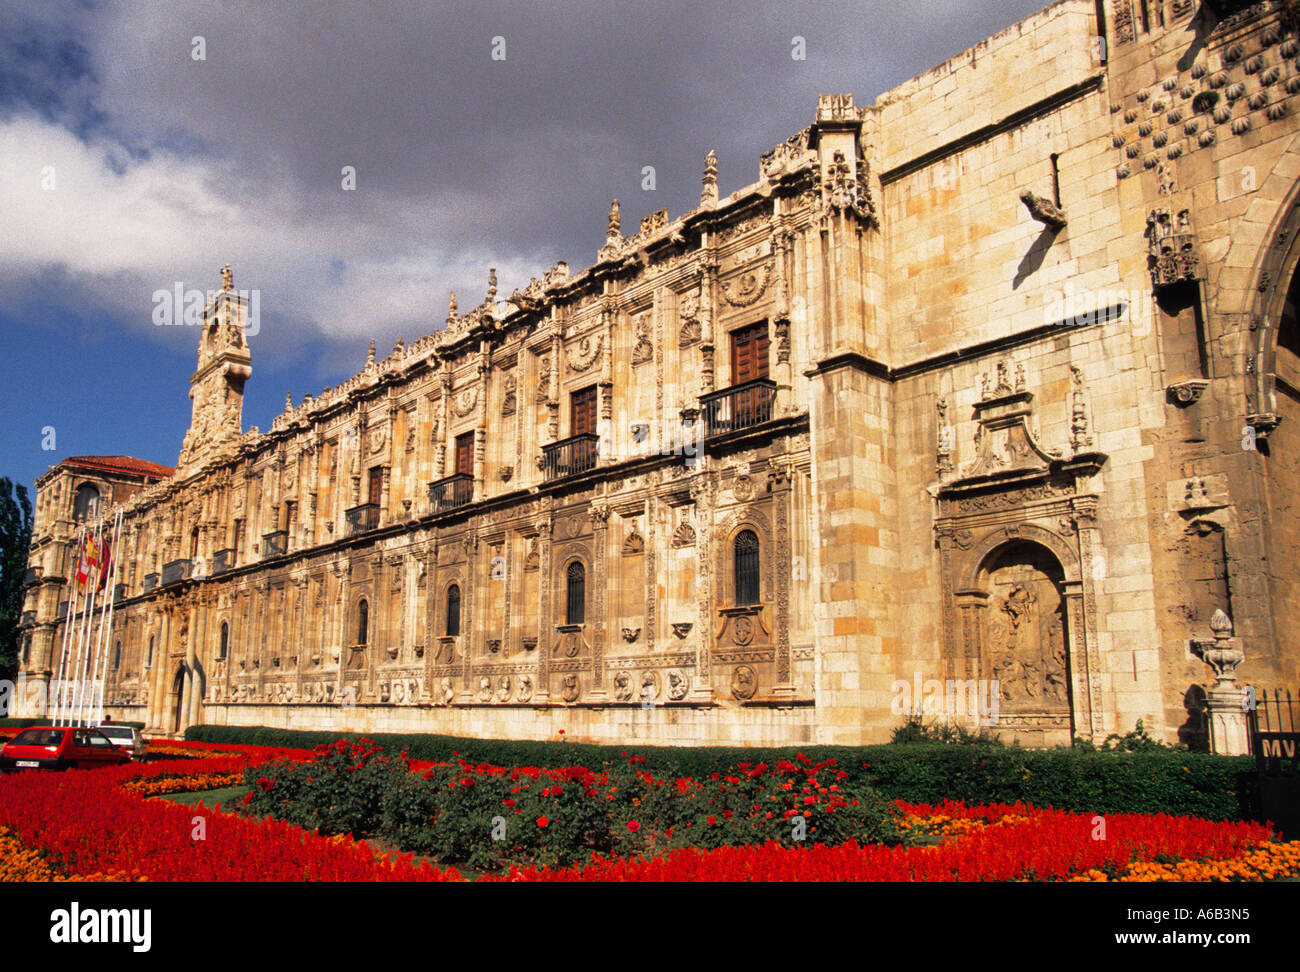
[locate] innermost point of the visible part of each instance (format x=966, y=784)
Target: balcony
x=150, y=582
x=275, y=544
x=119, y=592
x=447, y=494
x=222, y=561
x=738, y=407
x=362, y=518
x=28, y=619
x=63, y=610
x=31, y=576
x=570, y=456
x=176, y=571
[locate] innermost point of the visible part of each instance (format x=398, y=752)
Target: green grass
x=208, y=798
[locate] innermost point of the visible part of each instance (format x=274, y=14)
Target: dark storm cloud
x=529, y=148
x=461, y=159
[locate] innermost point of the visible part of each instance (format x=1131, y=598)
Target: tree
x=15, y=538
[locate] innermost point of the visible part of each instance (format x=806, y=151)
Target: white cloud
x=125, y=227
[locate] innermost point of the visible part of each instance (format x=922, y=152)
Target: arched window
x=117, y=655
x=148, y=663
x=27, y=650
x=576, y=587
x=194, y=543
x=453, y=610
x=225, y=641
x=85, y=502
x=746, y=567
x=363, y=622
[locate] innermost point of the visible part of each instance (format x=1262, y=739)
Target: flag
x=106, y=562
x=82, y=567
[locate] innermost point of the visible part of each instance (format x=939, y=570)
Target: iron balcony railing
x=275, y=544
x=570, y=456
x=30, y=576
x=119, y=592
x=451, y=492
x=222, y=561
x=739, y=407
x=28, y=618
x=362, y=518
x=176, y=571
x=150, y=582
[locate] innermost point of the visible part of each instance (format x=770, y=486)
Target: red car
x=60, y=748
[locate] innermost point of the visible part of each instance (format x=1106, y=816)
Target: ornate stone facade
x=884, y=413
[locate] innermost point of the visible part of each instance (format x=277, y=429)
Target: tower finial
x=453, y=309
x=492, y=285
x=227, y=278
x=370, y=353
x=615, y=222
x=709, y=195
x=288, y=401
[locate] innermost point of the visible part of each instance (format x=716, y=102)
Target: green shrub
x=1161, y=780
x=914, y=730
x=488, y=818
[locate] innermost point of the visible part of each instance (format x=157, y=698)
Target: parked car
x=125, y=738
x=61, y=748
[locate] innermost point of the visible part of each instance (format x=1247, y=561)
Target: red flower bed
x=89, y=824
x=1038, y=845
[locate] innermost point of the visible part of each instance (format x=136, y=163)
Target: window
x=117, y=656
x=363, y=622
x=194, y=543
x=582, y=411
x=85, y=502
x=376, y=485
x=27, y=650
x=453, y=611
x=225, y=641
x=749, y=353
x=148, y=662
x=465, y=454
x=576, y=588
x=746, y=568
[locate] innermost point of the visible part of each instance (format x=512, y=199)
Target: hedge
x=1162, y=781
x=24, y=723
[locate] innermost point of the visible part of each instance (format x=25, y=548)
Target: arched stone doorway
x=1025, y=638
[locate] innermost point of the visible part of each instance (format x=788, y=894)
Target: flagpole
x=101, y=633
x=114, y=557
x=74, y=593
x=83, y=642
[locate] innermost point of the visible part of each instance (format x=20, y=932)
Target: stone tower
x=217, y=385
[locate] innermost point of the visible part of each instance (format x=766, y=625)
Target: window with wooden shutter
x=583, y=411
x=465, y=454
x=376, y=485
x=749, y=353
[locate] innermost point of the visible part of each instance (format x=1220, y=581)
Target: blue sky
x=166, y=166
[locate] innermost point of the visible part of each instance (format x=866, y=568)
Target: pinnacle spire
x=709, y=194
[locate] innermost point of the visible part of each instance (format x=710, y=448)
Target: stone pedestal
x=1228, y=731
